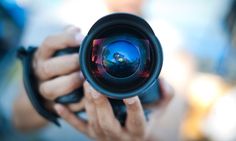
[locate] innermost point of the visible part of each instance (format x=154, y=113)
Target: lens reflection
x=121, y=58
x=121, y=62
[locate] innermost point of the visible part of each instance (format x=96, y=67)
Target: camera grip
x=72, y=97
x=76, y=95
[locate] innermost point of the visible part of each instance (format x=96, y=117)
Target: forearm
x=25, y=118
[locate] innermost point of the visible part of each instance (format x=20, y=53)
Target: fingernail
x=130, y=100
x=81, y=76
x=79, y=37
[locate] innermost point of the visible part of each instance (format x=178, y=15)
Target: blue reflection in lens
x=121, y=58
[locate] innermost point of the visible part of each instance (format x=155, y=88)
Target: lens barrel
x=121, y=57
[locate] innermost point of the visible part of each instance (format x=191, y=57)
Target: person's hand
x=166, y=94
x=59, y=75
x=102, y=124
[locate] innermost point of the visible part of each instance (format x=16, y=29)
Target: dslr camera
x=120, y=57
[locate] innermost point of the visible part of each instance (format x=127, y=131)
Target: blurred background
x=199, y=43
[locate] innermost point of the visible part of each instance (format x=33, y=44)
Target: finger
x=107, y=121
x=70, y=38
x=167, y=93
x=70, y=117
x=90, y=107
x=92, y=119
x=71, y=28
x=60, y=65
x=135, y=122
x=76, y=107
x=91, y=111
x=61, y=85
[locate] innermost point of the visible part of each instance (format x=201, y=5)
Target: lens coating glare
x=121, y=62
x=120, y=58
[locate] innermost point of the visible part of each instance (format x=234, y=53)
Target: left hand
x=102, y=125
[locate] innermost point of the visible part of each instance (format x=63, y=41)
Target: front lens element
x=121, y=63
x=120, y=58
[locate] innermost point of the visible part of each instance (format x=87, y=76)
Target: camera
x=120, y=57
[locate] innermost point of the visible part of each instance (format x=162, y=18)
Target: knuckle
x=42, y=89
x=72, y=83
x=44, y=70
x=75, y=59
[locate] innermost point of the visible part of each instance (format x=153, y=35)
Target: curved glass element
x=120, y=58
x=121, y=62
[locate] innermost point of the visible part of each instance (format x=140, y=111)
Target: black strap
x=31, y=86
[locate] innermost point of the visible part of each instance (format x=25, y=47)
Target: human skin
x=102, y=125
x=52, y=85
x=128, y=6
x=47, y=68
x=56, y=77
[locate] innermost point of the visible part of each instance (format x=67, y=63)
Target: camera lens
x=121, y=61
x=121, y=56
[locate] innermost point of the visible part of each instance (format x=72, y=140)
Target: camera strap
x=30, y=84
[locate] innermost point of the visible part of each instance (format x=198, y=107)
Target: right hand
x=102, y=124
x=58, y=76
